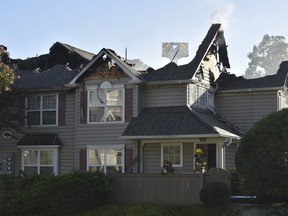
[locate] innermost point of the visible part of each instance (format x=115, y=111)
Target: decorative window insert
x=41, y=110
x=172, y=152
x=106, y=159
x=40, y=161
x=106, y=104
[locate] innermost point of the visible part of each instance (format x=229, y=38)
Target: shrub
x=57, y=195
x=215, y=194
x=262, y=157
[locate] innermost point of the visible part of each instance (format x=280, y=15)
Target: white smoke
x=222, y=11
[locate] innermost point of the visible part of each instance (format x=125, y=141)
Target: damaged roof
x=134, y=74
x=55, y=78
x=228, y=81
x=179, y=121
x=183, y=72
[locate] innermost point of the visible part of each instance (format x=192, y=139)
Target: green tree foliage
x=7, y=75
x=53, y=195
x=267, y=56
x=262, y=157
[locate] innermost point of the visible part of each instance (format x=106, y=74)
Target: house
x=98, y=113
x=102, y=114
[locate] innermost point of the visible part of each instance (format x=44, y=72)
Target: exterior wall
x=152, y=158
x=230, y=156
x=103, y=133
x=172, y=95
x=65, y=133
x=243, y=110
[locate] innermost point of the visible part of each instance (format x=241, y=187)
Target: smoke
x=222, y=11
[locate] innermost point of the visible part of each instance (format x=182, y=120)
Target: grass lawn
x=159, y=210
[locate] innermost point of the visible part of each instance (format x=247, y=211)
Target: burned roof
x=228, y=81
x=175, y=121
x=60, y=53
x=183, y=72
x=55, y=78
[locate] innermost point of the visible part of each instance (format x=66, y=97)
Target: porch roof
x=178, y=121
x=40, y=140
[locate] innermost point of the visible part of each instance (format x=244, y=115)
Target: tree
x=262, y=157
x=7, y=75
x=267, y=56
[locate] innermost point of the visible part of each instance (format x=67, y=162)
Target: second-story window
x=41, y=110
x=106, y=105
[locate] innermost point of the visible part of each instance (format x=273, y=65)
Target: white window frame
x=181, y=153
x=105, y=148
x=112, y=87
x=41, y=110
x=55, y=152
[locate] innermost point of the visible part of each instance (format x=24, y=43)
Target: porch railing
x=155, y=188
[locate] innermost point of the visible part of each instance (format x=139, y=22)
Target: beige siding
x=165, y=96
x=152, y=158
x=243, y=110
x=230, y=156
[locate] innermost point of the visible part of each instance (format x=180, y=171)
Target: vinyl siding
x=152, y=158
x=230, y=156
x=173, y=95
x=243, y=110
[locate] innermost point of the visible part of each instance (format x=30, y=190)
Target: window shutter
x=83, y=107
x=61, y=110
x=128, y=104
x=22, y=109
x=83, y=160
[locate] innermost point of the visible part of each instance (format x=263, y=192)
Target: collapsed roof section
x=60, y=53
x=230, y=82
x=213, y=41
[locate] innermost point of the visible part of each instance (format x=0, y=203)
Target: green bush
x=262, y=158
x=56, y=195
x=215, y=194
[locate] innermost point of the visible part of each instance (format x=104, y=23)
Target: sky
x=29, y=28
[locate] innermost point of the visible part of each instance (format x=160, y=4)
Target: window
x=172, y=152
x=43, y=161
x=106, y=105
x=106, y=159
x=42, y=110
x=200, y=96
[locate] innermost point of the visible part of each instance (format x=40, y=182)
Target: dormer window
x=106, y=103
x=199, y=96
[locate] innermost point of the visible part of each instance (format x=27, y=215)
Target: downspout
x=75, y=130
x=225, y=144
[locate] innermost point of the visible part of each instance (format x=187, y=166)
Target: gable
x=106, y=65
x=106, y=71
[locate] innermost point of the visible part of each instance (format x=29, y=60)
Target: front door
x=209, y=153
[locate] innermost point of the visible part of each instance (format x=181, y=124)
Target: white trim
x=55, y=155
x=41, y=110
x=105, y=148
x=180, y=136
x=181, y=153
x=114, y=87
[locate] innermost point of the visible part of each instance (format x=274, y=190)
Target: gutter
x=178, y=136
x=250, y=90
